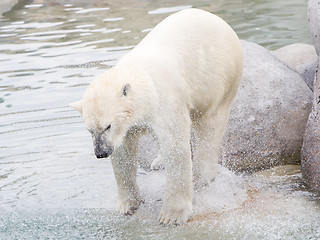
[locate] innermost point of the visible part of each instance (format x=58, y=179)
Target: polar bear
x=180, y=81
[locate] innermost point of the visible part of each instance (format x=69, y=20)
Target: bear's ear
x=77, y=105
x=125, y=90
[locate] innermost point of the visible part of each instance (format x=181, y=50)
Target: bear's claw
x=175, y=216
x=157, y=164
x=127, y=207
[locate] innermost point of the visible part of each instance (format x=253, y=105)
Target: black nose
x=103, y=153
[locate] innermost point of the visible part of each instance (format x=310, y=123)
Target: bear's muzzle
x=102, y=149
x=104, y=152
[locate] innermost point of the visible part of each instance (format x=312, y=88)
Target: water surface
x=52, y=186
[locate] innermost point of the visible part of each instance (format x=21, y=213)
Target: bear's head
x=107, y=112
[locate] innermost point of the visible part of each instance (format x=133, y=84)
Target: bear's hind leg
x=125, y=166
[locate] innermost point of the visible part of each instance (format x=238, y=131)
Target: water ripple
x=35, y=25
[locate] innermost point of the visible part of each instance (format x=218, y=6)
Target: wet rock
x=269, y=115
x=310, y=153
x=300, y=57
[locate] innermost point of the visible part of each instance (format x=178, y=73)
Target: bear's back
x=194, y=52
x=188, y=29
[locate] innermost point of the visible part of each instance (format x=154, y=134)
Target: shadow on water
x=52, y=187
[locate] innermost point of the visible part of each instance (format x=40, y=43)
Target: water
x=52, y=186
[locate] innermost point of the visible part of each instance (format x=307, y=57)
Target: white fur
x=183, y=78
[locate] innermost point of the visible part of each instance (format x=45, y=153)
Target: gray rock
x=268, y=118
x=269, y=115
x=6, y=5
x=300, y=57
x=296, y=54
x=307, y=71
x=310, y=153
x=314, y=22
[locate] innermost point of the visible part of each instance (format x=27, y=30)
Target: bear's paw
x=176, y=213
x=157, y=164
x=128, y=206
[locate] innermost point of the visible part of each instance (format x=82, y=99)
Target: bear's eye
x=107, y=128
x=125, y=90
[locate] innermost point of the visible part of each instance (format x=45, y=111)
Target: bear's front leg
x=125, y=165
x=177, y=206
x=176, y=152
